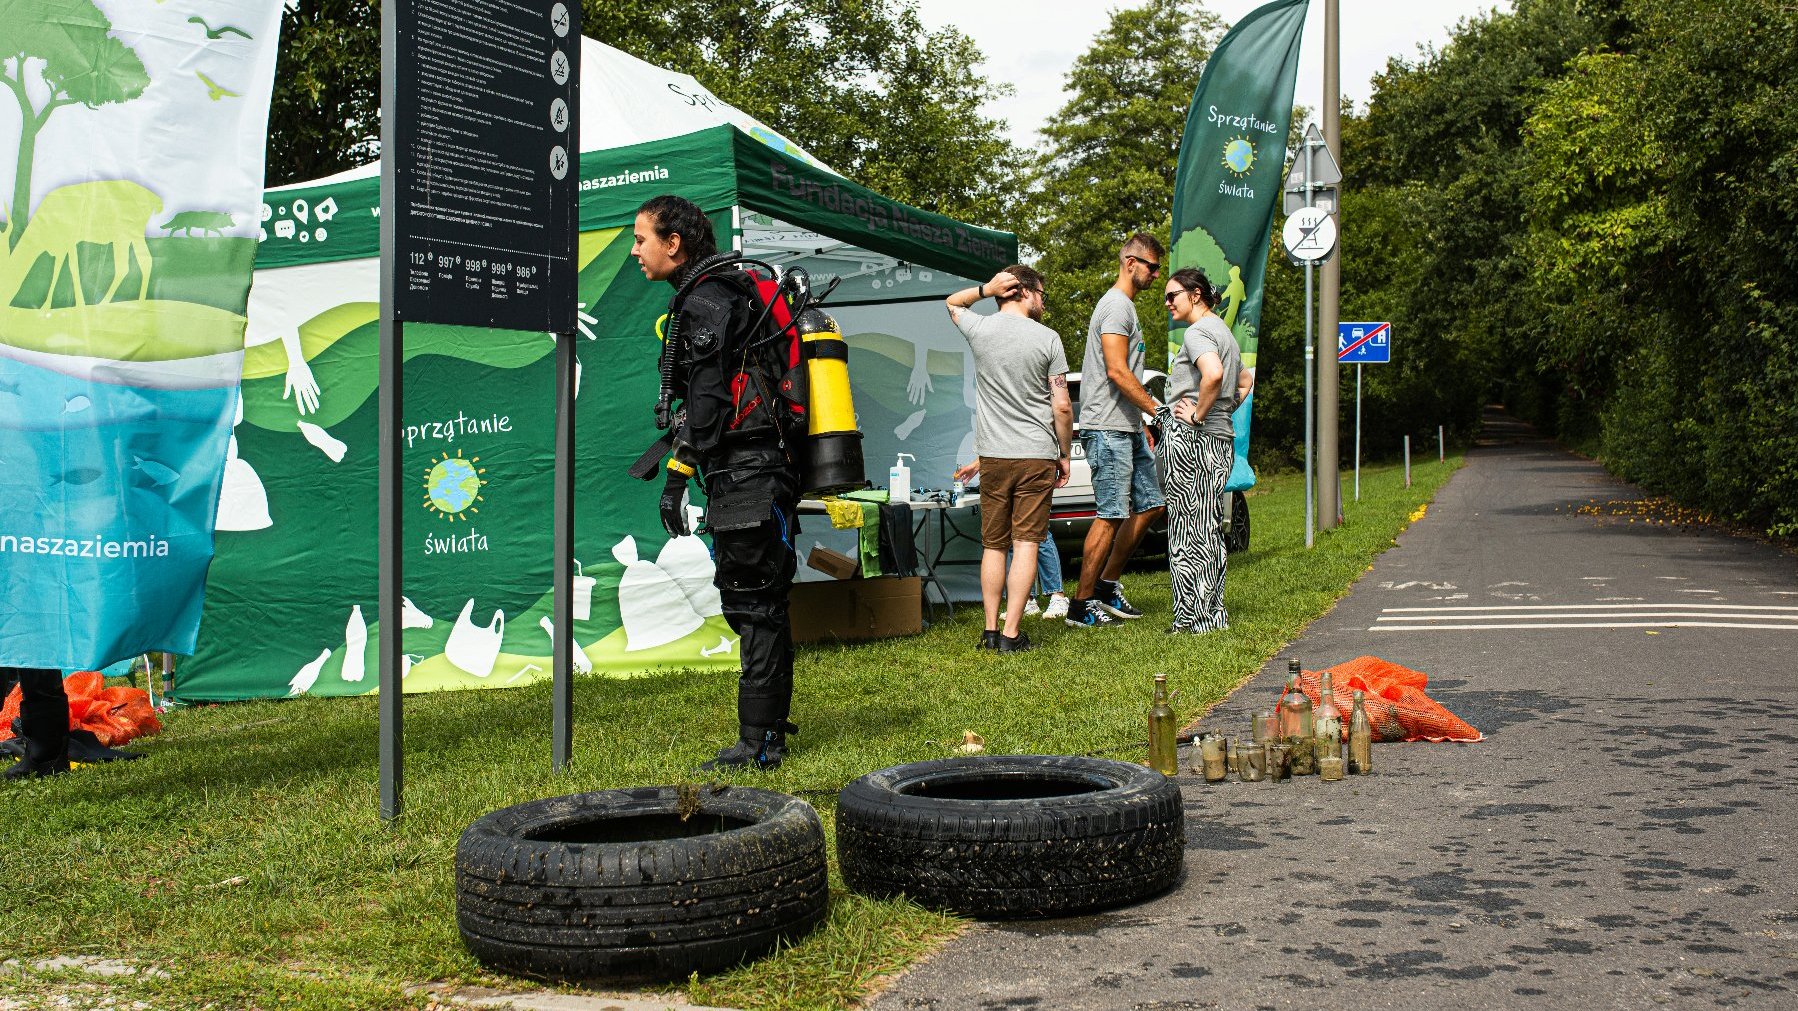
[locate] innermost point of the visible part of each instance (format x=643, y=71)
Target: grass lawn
x=245, y=862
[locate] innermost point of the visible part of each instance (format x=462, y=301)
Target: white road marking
x=1701, y=591
x=1598, y=579
x=1610, y=624
x=1575, y=613
x=1563, y=607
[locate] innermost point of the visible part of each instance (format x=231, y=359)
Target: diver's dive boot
x=37, y=766
x=761, y=748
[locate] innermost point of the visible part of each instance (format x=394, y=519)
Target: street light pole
x=1329, y=491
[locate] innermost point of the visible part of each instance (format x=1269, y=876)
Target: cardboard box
x=854, y=609
x=834, y=564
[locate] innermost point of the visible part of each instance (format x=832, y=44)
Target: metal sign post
x=1310, y=237
x=479, y=204
x=1362, y=344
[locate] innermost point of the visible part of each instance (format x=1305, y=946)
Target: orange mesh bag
x=1395, y=701
x=114, y=716
x=9, y=711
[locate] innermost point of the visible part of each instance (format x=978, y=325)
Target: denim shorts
x=1123, y=469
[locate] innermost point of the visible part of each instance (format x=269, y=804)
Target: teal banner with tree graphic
x=131, y=159
x=1232, y=162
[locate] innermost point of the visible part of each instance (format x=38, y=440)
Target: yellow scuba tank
x=833, y=458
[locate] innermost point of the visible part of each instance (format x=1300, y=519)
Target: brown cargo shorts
x=1014, y=501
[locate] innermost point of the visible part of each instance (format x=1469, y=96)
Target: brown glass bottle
x=1360, y=738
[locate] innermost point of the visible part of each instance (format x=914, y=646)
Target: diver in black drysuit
x=735, y=441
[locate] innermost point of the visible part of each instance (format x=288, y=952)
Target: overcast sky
x=1032, y=45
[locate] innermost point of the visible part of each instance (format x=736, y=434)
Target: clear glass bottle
x=1329, y=721
x=1162, y=757
x=1295, y=712
x=1360, y=738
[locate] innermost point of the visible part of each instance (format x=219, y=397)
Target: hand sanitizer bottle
x=899, y=479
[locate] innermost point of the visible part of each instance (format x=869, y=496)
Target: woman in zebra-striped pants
x=1196, y=451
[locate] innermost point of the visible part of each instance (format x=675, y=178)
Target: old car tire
x=1012, y=836
x=1237, y=541
x=649, y=883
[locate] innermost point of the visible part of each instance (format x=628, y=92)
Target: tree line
x=1574, y=208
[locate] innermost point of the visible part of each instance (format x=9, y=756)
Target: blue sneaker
x=1087, y=614
x=1111, y=598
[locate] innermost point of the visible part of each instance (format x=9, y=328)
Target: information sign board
x=485, y=164
x=1364, y=343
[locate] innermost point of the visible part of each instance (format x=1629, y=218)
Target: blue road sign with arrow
x=1364, y=343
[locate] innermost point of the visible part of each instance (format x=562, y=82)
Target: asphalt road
x=1622, y=838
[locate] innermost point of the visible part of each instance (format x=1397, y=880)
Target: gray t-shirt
x=1014, y=356
x=1102, y=405
x=1209, y=334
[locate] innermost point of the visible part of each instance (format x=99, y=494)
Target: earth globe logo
x=453, y=486
x=1239, y=156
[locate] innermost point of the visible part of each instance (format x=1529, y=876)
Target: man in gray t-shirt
x=1023, y=432
x=1104, y=406
x=1126, y=491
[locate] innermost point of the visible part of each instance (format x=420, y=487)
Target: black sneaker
x=1111, y=598
x=1086, y=614
x=1019, y=643
x=988, y=640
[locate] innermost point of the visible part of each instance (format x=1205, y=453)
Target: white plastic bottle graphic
x=355, y=646
x=899, y=479
x=654, y=609
x=308, y=675
x=582, y=665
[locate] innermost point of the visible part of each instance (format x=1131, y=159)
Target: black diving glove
x=674, y=504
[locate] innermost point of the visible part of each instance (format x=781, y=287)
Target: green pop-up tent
x=291, y=595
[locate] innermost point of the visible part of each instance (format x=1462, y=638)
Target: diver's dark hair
x=1194, y=280
x=679, y=216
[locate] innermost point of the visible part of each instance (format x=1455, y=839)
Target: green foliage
x=1583, y=207
x=1107, y=169
x=63, y=50
x=325, y=115
x=861, y=84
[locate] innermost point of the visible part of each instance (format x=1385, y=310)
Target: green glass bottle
x=1162, y=756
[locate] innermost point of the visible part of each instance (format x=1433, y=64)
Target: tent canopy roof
x=627, y=101
x=644, y=132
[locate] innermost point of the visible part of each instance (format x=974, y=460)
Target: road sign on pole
x=1310, y=235
x=1364, y=343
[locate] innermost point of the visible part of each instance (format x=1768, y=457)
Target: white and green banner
x=1232, y=161
x=132, y=137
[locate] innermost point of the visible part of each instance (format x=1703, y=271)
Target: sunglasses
x=1154, y=268
x=1176, y=294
